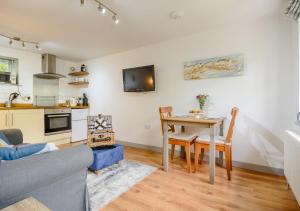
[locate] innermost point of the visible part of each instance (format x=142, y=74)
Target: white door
x=30, y=122
x=79, y=130
x=3, y=119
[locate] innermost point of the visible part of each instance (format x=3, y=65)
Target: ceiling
x=78, y=33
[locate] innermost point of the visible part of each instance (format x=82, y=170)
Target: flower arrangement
x=202, y=100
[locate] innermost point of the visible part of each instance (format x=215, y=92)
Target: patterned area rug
x=115, y=180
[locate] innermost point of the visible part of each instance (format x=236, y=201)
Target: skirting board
x=249, y=166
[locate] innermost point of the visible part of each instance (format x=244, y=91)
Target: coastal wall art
x=225, y=66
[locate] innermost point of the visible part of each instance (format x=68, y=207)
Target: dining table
x=213, y=124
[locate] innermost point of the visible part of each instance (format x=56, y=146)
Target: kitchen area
x=56, y=111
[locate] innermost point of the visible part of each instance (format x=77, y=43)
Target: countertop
x=20, y=106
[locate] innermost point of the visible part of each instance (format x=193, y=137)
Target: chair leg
x=196, y=152
x=227, y=157
x=172, y=151
x=188, y=157
x=230, y=158
x=202, y=155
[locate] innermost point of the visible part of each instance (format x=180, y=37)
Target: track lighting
x=115, y=19
x=24, y=43
x=37, y=46
x=104, y=9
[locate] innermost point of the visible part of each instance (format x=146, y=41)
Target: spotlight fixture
x=115, y=19
x=104, y=9
x=19, y=40
x=37, y=46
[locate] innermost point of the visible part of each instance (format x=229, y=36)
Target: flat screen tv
x=139, y=79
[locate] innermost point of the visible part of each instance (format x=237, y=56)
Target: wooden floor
x=178, y=190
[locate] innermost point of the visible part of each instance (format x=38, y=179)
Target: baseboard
x=249, y=166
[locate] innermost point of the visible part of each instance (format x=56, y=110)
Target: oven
x=57, y=121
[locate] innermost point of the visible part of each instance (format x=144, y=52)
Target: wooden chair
x=223, y=144
x=180, y=138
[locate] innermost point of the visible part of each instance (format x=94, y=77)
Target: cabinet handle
x=6, y=120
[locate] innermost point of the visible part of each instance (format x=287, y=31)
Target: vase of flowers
x=202, y=99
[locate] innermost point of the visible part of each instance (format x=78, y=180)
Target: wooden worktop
x=18, y=106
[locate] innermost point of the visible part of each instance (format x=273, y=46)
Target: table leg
x=165, y=147
x=221, y=154
x=212, y=155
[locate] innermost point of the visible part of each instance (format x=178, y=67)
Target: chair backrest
x=166, y=112
x=234, y=112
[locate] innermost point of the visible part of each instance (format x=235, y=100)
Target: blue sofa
x=57, y=179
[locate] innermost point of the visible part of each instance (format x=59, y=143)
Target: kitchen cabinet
x=29, y=121
x=3, y=119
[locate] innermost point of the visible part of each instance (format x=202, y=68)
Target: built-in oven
x=58, y=121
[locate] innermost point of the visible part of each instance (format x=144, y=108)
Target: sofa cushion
x=13, y=153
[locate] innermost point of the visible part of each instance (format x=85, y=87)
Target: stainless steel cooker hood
x=49, y=68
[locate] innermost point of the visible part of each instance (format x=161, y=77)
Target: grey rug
x=115, y=180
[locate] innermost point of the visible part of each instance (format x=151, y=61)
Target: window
x=8, y=70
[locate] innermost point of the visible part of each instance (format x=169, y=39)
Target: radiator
x=291, y=162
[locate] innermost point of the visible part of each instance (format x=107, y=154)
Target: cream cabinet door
x=3, y=119
x=30, y=122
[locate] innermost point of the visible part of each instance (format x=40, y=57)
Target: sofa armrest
x=14, y=136
x=31, y=173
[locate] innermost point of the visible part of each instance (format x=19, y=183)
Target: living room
x=215, y=81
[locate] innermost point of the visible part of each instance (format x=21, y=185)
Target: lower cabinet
x=3, y=119
x=29, y=121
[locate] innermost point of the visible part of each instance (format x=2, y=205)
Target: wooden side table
x=29, y=204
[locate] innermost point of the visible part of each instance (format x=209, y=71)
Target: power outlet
x=147, y=126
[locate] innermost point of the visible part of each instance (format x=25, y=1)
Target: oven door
x=57, y=123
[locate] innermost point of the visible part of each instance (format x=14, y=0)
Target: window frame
x=13, y=67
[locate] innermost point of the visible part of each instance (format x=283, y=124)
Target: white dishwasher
x=79, y=124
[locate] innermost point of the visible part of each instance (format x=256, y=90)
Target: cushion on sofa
x=13, y=153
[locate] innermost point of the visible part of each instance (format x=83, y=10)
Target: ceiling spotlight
x=23, y=44
x=115, y=19
x=102, y=9
x=10, y=41
x=81, y=2
x=37, y=46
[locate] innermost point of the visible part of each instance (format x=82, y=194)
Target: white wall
x=29, y=64
x=262, y=94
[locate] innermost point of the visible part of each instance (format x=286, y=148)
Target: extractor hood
x=49, y=68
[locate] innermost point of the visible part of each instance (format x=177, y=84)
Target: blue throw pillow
x=4, y=138
x=13, y=153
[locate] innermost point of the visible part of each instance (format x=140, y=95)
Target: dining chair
x=183, y=139
x=223, y=144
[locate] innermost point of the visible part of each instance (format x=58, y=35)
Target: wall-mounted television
x=139, y=79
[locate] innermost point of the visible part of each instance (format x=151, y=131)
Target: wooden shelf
x=79, y=83
x=79, y=73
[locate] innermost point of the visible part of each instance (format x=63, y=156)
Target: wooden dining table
x=211, y=123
